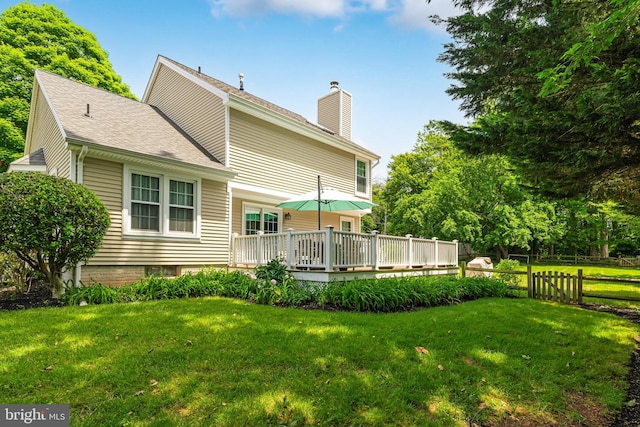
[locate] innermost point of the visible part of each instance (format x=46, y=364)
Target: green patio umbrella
x=326, y=199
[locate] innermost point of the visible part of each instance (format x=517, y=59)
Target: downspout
x=80, y=164
x=77, y=270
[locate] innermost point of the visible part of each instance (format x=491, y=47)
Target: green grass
x=225, y=362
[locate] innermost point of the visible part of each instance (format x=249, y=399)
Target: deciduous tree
x=31, y=37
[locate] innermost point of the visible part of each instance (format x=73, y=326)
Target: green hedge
x=374, y=295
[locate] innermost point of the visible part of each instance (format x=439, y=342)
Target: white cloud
x=315, y=8
x=409, y=14
x=414, y=14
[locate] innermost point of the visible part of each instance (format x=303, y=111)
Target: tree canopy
x=437, y=190
x=31, y=37
x=546, y=91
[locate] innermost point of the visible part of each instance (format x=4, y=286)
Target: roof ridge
x=40, y=70
x=229, y=89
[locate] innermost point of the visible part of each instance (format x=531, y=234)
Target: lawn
x=218, y=361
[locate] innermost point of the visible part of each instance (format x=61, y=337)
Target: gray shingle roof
x=261, y=102
x=34, y=159
x=120, y=123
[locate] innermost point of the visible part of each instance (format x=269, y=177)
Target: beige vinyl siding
x=345, y=111
x=267, y=156
x=329, y=111
x=105, y=178
x=196, y=110
x=46, y=134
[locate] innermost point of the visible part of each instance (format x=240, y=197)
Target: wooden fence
x=556, y=286
x=585, y=260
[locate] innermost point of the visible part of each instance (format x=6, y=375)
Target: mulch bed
x=40, y=296
x=630, y=413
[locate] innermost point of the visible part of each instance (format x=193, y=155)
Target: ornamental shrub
x=50, y=223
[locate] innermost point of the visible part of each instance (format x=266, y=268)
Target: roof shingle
x=121, y=123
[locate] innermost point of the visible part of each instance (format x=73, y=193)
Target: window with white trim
x=362, y=181
x=261, y=218
x=160, y=205
x=347, y=224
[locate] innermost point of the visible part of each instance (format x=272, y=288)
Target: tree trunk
x=501, y=252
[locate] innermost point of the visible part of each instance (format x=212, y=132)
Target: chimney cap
x=334, y=85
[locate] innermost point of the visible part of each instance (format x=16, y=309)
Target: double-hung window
x=145, y=202
x=181, y=207
x=362, y=179
x=160, y=205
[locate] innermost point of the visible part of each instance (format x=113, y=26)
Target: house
x=195, y=162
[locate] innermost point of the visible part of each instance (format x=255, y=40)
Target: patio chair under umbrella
x=326, y=199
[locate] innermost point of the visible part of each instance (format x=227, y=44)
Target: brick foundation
x=119, y=275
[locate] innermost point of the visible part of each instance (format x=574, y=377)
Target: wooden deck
x=335, y=255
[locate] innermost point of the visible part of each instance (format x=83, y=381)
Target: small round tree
x=50, y=223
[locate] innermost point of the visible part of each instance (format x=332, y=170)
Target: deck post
x=374, y=250
x=435, y=242
x=328, y=248
x=290, y=249
x=457, y=253
x=259, y=248
x=233, y=254
x=410, y=239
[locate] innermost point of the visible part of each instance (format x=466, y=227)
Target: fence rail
x=585, y=259
x=328, y=250
x=556, y=286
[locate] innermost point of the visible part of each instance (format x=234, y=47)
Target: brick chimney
x=334, y=111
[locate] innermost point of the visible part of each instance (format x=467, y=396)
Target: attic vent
x=334, y=86
x=88, y=113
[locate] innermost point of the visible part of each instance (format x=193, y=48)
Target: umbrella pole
x=319, y=206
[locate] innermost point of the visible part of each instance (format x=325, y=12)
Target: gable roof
x=232, y=92
x=103, y=120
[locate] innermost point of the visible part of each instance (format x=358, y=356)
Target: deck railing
x=328, y=250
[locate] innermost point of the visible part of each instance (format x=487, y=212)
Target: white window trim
x=348, y=219
x=164, y=232
x=246, y=205
x=368, y=172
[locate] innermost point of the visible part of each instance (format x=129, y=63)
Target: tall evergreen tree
x=567, y=116
x=31, y=37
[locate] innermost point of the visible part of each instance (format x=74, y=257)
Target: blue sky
x=381, y=51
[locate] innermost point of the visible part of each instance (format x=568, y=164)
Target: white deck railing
x=328, y=250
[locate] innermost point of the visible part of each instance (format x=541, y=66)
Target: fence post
x=435, y=242
x=291, y=257
x=463, y=269
x=374, y=250
x=328, y=248
x=529, y=281
x=259, y=248
x=409, y=238
x=580, y=286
